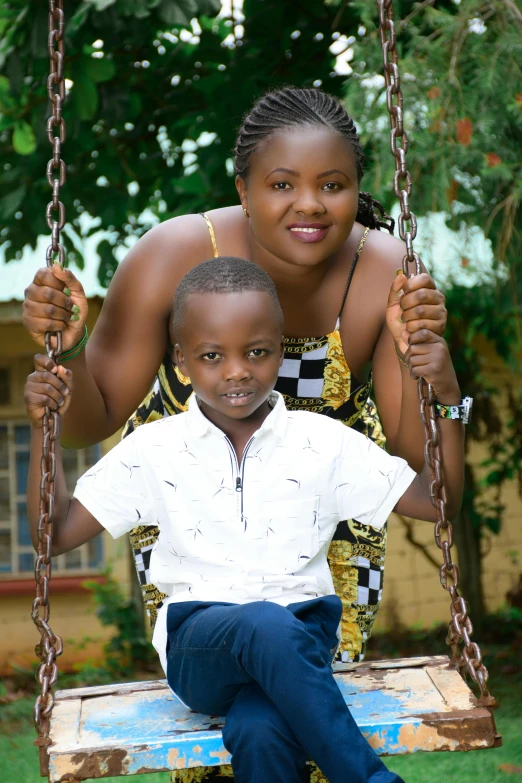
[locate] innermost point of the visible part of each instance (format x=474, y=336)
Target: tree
x=155, y=81
x=155, y=100
x=461, y=78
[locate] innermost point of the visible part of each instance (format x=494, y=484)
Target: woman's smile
x=308, y=232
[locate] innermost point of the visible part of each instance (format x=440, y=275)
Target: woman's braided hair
x=291, y=107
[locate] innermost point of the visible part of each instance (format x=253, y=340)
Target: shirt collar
x=275, y=421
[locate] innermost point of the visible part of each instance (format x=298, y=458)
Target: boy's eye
x=210, y=357
x=281, y=186
x=331, y=186
x=257, y=352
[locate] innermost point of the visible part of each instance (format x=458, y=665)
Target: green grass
x=19, y=762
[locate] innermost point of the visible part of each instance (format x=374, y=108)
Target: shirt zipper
x=239, y=477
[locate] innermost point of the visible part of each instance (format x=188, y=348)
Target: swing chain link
x=466, y=655
x=50, y=645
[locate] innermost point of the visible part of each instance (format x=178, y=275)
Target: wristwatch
x=460, y=412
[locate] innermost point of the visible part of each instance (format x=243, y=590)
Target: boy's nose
x=237, y=371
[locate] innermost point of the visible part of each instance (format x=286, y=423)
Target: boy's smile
x=230, y=346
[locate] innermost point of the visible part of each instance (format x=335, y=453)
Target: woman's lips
x=309, y=233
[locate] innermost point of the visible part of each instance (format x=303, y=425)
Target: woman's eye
x=331, y=186
x=281, y=186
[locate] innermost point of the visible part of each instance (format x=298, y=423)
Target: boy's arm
x=73, y=525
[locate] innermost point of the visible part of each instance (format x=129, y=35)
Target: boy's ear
x=179, y=360
x=282, y=350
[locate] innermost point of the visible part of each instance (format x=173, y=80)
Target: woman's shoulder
x=170, y=249
x=187, y=231
x=383, y=250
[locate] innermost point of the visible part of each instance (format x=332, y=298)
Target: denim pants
x=268, y=669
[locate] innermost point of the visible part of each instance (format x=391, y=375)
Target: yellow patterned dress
x=314, y=377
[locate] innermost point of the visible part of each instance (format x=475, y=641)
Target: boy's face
x=231, y=347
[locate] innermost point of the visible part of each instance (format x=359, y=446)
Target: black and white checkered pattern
x=370, y=581
x=302, y=375
x=142, y=561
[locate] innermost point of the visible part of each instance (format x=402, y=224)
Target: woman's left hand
x=415, y=304
x=428, y=357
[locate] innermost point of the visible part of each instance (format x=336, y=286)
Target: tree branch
x=408, y=526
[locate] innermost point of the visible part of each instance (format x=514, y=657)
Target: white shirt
x=258, y=530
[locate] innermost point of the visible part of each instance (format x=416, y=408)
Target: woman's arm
x=423, y=354
x=129, y=340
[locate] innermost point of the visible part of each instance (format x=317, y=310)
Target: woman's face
x=302, y=193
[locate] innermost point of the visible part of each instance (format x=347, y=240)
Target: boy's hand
x=55, y=302
x=50, y=385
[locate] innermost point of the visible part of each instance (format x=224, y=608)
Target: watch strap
x=461, y=412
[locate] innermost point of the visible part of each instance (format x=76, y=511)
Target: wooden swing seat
x=401, y=706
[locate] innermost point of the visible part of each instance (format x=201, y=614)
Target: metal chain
x=50, y=645
x=466, y=655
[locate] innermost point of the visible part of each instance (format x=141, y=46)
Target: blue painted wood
x=141, y=727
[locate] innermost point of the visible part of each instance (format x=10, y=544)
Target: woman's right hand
x=49, y=386
x=55, y=302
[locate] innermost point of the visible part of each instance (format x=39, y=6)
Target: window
x=16, y=551
x=5, y=386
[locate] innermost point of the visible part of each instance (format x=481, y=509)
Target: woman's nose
x=307, y=202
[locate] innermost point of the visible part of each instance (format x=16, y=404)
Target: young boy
x=247, y=497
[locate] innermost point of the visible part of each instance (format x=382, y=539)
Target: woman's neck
x=294, y=281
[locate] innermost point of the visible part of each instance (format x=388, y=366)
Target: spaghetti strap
x=212, y=234
x=352, y=270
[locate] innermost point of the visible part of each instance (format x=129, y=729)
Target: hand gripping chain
x=466, y=654
x=50, y=645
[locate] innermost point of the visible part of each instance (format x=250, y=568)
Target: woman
x=303, y=219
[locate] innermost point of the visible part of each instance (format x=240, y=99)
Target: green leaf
x=178, y=14
x=24, y=140
x=6, y=101
x=100, y=5
x=78, y=18
x=9, y=203
x=193, y=184
x=494, y=524
x=86, y=98
x=100, y=69
x=108, y=263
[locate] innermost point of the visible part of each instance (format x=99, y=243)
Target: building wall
x=72, y=609
x=412, y=593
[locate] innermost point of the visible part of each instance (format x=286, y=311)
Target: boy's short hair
x=222, y=275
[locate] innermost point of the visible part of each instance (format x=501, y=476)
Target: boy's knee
x=254, y=729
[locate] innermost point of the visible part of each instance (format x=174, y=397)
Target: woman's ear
x=242, y=191
x=179, y=360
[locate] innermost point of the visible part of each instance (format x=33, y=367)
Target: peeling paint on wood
x=143, y=727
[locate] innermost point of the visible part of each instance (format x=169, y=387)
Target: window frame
x=60, y=569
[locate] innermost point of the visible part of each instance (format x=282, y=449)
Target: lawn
x=20, y=765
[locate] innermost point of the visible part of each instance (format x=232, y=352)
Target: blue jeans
x=268, y=669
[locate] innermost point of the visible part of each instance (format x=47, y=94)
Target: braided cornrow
x=292, y=107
